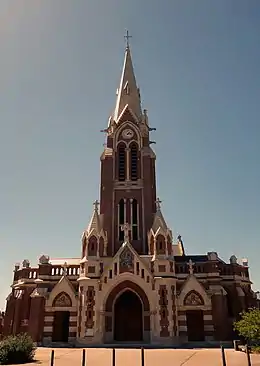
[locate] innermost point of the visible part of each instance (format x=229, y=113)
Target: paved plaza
x=130, y=357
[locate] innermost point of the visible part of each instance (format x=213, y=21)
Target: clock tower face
x=128, y=133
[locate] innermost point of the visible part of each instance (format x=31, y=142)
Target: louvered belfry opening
x=121, y=162
x=135, y=219
x=134, y=161
x=121, y=218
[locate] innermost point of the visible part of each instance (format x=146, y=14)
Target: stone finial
x=44, y=259
x=191, y=264
x=233, y=259
x=126, y=228
x=64, y=268
x=245, y=262
x=212, y=256
x=16, y=267
x=26, y=263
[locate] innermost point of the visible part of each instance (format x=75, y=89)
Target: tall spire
x=128, y=93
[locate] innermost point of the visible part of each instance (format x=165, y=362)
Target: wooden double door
x=128, y=318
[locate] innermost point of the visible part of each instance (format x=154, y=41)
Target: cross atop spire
x=128, y=93
x=127, y=36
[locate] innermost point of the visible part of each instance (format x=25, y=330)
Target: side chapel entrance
x=60, y=331
x=61, y=322
x=194, y=317
x=195, y=325
x=128, y=318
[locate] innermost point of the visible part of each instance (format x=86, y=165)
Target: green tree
x=249, y=325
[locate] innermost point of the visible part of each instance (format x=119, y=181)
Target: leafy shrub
x=17, y=349
x=255, y=349
x=249, y=325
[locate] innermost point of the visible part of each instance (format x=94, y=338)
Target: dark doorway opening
x=128, y=318
x=195, y=325
x=61, y=324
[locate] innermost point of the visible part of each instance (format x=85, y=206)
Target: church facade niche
x=62, y=300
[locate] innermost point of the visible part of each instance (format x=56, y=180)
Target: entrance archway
x=60, y=332
x=128, y=318
x=195, y=325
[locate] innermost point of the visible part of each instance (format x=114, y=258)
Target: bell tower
x=128, y=186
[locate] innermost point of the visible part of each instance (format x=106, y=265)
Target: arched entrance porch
x=127, y=312
x=128, y=317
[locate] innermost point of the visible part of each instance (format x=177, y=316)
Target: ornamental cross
x=125, y=228
x=190, y=264
x=64, y=268
x=96, y=204
x=158, y=203
x=127, y=36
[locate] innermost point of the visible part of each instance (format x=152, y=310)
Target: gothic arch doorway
x=114, y=304
x=128, y=317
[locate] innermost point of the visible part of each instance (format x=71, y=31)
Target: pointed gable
x=193, y=293
x=63, y=290
x=126, y=260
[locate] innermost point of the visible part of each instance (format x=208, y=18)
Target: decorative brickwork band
x=163, y=302
x=80, y=309
x=174, y=315
x=90, y=303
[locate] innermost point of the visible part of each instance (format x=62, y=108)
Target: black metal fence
x=113, y=357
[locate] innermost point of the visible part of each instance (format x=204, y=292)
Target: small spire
x=128, y=93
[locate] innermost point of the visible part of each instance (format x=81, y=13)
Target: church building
x=132, y=281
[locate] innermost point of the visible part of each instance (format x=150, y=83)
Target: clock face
x=128, y=133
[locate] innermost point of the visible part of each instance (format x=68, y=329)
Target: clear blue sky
x=197, y=64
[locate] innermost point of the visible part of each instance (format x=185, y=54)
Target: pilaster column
x=36, y=318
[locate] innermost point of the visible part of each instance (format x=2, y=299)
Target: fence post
x=142, y=356
x=113, y=357
x=248, y=356
x=223, y=355
x=52, y=357
x=83, y=357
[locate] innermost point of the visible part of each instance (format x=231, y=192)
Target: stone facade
x=133, y=282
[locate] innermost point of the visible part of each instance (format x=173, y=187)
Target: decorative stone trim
x=164, y=313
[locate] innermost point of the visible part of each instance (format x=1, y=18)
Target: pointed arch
x=121, y=161
x=121, y=218
x=193, y=298
x=101, y=246
x=62, y=300
x=84, y=245
x=134, y=168
x=160, y=244
x=169, y=245
x=134, y=218
x=92, y=246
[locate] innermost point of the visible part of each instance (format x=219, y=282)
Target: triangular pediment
x=126, y=259
x=127, y=115
x=193, y=293
x=65, y=290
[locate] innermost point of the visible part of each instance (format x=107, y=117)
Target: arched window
x=92, y=246
x=134, y=219
x=160, y=244
x=121, y=218
x=134, y=161
x=121, y=162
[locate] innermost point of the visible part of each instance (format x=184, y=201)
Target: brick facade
x=128, y=256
